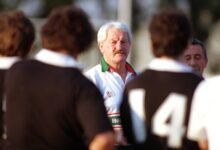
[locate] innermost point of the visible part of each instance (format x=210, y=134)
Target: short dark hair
x=170, y=31
x=17, y=34
x=67, y=28
x=195, y=41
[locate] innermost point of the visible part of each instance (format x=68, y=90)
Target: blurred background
x=204, y=14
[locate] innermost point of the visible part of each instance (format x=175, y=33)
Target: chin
x=122, y=59
x=198, y=72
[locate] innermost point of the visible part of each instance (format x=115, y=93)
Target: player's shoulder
x=210, y=83
x=212, y=80
x=22, y=64
x=140, y=79
x=93, y=71
x=191, y=77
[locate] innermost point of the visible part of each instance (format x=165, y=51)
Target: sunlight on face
x=116, y=47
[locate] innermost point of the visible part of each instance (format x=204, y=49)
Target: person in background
x=204, y=123
x=156, y=104
x=50, y=103
x=113, y=72
x=17, y=35
x=195, y=55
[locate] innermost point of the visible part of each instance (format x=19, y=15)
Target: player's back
x=166, y=99
x=48, y=105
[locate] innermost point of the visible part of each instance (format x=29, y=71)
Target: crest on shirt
x=109, y=94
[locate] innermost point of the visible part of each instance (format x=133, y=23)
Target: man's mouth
x=120, y=52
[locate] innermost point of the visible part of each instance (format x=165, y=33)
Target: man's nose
x=193, y=63
x=119, y=45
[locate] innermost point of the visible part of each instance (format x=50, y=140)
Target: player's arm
x=197, y=121
x=92, y=116
x=103, y=141
x=203, y=144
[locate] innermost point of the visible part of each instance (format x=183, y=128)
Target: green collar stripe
x=104, y=65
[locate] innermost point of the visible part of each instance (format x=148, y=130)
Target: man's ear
x=206, y=62
x=101, y=47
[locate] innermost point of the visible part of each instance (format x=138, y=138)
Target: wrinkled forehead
x=116, y=32
x=194, y=49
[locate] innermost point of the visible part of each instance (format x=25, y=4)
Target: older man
x=113, y=72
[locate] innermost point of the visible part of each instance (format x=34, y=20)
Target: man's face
x=116, y=47
x=194, y=57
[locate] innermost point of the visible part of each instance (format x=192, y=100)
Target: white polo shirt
x=204, y=123
x=111, y=86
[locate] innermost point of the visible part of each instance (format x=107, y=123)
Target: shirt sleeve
x=91, y=111
x=198, y=116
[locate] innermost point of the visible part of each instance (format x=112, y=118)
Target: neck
x=66, y=52
x=120, y=69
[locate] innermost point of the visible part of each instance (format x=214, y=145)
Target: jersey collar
x=105, y=67
x=7, y=62
x=57, y=59
x=165, y=64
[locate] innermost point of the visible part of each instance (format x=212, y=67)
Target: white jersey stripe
x=137, y=109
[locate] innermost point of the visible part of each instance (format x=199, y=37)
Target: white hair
x=103, y=31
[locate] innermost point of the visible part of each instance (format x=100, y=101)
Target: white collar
x=7, y=62
x=165, y=64
x=57, y=59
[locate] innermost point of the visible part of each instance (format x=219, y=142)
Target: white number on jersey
x=136, y=103
x=173, y=108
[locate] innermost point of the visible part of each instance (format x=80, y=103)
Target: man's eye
x=198, y=57
x=187, y=58
x=123, y=41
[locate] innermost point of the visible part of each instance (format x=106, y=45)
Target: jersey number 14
x=173, y=109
